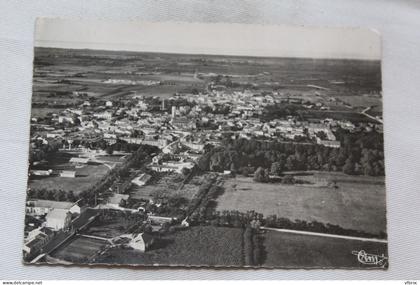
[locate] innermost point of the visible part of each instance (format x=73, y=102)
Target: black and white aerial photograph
x=205, y=145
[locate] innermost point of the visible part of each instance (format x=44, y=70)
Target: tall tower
x=163, y=104
x=173, y=111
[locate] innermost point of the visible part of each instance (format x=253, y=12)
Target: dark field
x=198, y=246
x=297, y=251
x=80, y=250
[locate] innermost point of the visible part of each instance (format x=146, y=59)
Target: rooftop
x=58, y=214
x=50, y=204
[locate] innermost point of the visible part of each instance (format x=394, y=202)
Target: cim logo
x=370, y=259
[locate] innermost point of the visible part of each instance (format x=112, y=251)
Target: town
x=119, y=175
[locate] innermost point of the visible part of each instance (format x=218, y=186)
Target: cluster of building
x=181, y=127
x=46, y=218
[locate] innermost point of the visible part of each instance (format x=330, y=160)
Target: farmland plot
x=80, y=250
x=353, y=204
x=205, y=246
x=297, y=251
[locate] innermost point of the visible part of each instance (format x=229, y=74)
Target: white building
x=79, y=160
x=41, y=172
x=141, y=180
x=58, y=219
x=103, y=115
x=141, y=242
x=172, y=166
x=62, y=119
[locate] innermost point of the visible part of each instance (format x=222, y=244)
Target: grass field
x=110, y=158
x=85, y=176
x=206, y=246
x=79, y=250
x=358, y=202
x=297, y=251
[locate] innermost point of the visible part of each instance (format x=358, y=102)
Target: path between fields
x=370, y=116
x=96, y=237
x=325, y=235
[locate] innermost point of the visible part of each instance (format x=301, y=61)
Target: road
x=370, y=116
x=325, y=235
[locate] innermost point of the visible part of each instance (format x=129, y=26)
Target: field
x=42, y=112
x=110, y=158
x=86, y=176
x=168, y=184
x=363, y=101
x=357, y=203
x=79, y=250
x=297, y=251
x=109, y=228
x=199, y=246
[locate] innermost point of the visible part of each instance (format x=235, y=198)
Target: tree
x=248, y=246
x=291, y=162
x=288, y=179
x=122, y=203
x=247, y=170
x=348, y=167
x=261, y=175
x=109, y=150
x=232, y=168
x=276, y=168
x=42, y=194
x=368, y=169
x=50, y=195
x=60, y=195
x=185, y=171
x=257, y=249
x=125, y=172
x=148, y=228
x=217, y=162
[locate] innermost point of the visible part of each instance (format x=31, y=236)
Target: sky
x=217, y=39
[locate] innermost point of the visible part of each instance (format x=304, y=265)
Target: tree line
x=204, y=213
x=253, y=244
x=360, y=154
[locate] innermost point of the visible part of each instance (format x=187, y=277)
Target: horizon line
x=207, y=54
